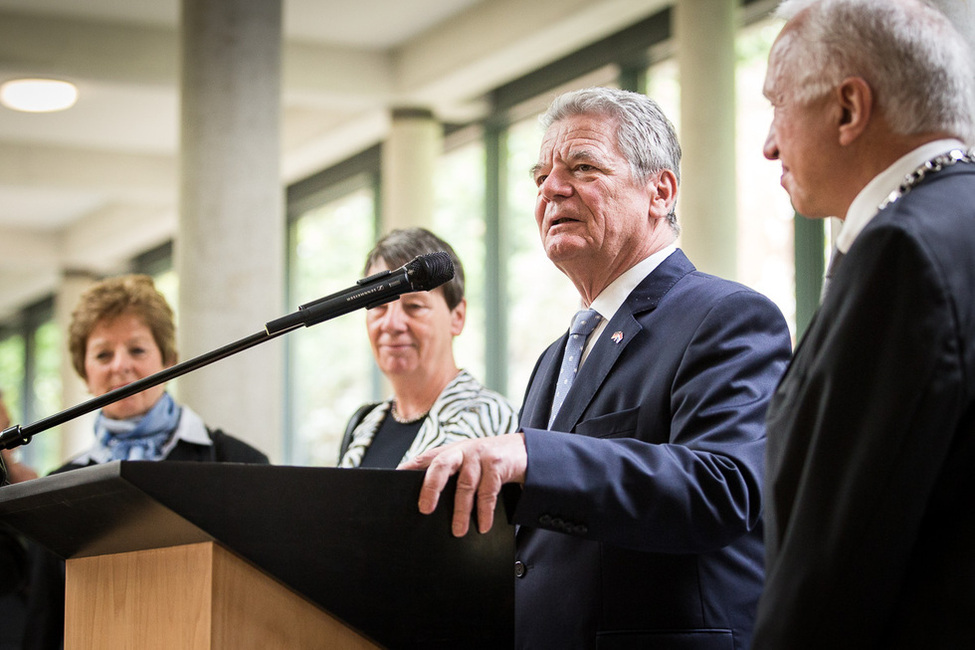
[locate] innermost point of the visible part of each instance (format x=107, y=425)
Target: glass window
x=330, y=365
x=158, y=264
x=663, y=85
x=45, y=452
x=30, y=356
x=12, y=359
x=765, y=215
x=459, y=220
x=167, y=282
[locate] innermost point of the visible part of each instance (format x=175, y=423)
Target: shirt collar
x=865, y=205
x=608, y=302
x=190, y=429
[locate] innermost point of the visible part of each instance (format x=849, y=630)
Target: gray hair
x=644, y=135
x=917, y=64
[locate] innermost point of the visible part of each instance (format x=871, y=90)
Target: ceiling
x=90, y=187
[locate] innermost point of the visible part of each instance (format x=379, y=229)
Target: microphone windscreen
x=429, y=271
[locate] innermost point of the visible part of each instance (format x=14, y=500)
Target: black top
x=391, y=442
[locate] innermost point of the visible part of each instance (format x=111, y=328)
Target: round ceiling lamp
x=38, y=95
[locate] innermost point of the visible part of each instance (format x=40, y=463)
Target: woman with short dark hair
x=434, y=402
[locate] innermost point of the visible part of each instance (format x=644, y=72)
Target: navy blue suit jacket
x=870, y=522
x=640, y=517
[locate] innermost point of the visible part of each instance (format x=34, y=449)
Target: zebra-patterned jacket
x=464, y=409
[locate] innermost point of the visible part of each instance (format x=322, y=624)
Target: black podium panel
x=351, y=541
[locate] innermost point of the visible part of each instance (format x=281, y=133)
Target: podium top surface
x=350, y=540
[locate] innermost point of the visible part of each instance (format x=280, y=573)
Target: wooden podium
x=222, y=555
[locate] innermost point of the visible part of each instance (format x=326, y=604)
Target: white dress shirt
x=612, y=297
x=865, y=205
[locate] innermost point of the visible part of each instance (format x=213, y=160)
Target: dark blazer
x=870, y=517
x=641, y=526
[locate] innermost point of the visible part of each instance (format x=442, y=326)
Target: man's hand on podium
x=482, y=466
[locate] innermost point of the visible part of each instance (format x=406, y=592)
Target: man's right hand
x=482, y=466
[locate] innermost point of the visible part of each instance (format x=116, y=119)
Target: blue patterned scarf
x=141, y=438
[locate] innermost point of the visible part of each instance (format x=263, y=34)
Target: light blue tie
x=583, y=324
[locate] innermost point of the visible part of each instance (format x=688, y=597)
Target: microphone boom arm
x=16, y=435
x=423, y=273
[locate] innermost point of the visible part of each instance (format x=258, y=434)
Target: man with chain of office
x=870, y=530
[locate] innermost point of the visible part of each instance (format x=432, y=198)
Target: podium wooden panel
x=205, y=555
x=192, y=597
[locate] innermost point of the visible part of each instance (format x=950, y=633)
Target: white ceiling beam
x=31, y=263
x=496, y=42
x=131, y=175
x=27, y=250
x=335, y=77
x=107, y=51
x=102, y=241
x=19, y=288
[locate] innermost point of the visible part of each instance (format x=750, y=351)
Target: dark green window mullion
x=633, y=78
x=810, y=244
x=496, y=276
x=376, y=376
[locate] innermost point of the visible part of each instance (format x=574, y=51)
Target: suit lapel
x=620, y=332
x=601, y=360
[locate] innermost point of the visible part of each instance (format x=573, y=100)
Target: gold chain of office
x=929, y=167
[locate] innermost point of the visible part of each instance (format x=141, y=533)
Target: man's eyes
x=585, y=168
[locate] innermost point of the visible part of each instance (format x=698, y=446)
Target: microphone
x=422, y=273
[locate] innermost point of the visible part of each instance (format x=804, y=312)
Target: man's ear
x=664, y=186
x=855, y=101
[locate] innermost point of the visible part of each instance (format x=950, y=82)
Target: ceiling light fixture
x=38, y=95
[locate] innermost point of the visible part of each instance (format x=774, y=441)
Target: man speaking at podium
x=641, y=450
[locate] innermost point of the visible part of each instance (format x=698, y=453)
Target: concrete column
x=78, y=434
x=705, y=32
x=230, y=245
x=409, y=162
